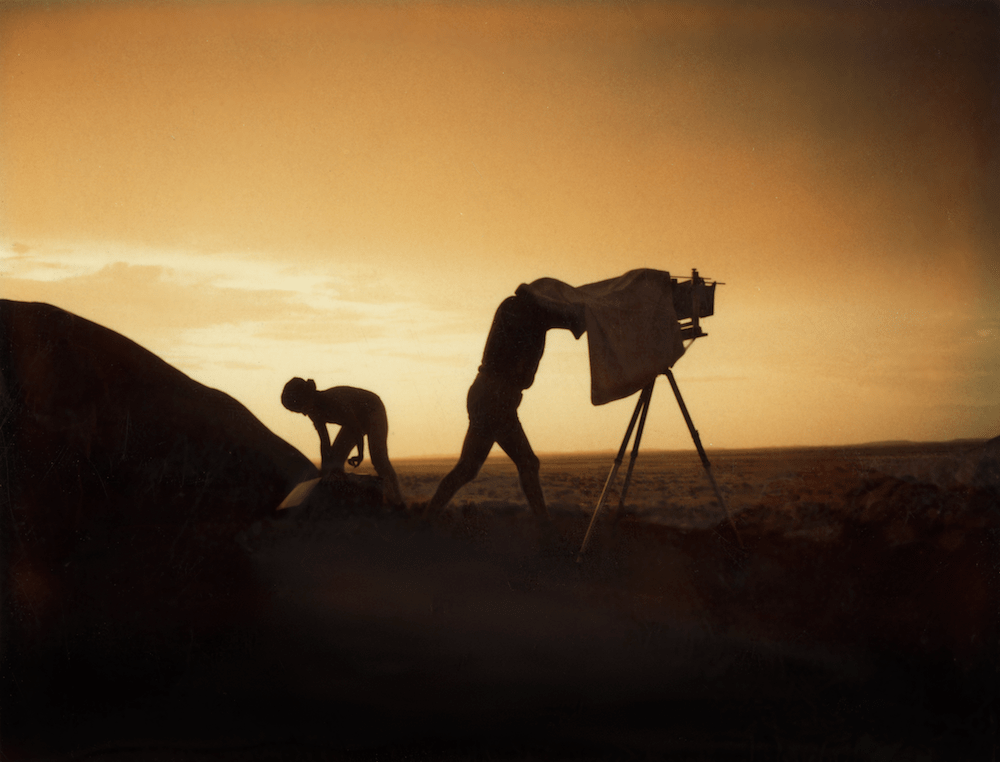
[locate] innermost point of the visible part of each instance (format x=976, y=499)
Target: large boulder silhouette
x=126, y=486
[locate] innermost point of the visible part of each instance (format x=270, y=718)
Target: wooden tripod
x=641, y=408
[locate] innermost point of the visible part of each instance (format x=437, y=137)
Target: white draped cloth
x=632, y=329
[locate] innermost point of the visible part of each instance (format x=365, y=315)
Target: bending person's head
x=297, y=394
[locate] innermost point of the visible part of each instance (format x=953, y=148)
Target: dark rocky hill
x=124, y=486
x=96, y=425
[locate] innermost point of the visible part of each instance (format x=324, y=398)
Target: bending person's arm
x=324, y=441
x=356, y=460
x=352, y=423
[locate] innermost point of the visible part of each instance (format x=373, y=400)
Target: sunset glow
x=346, y=192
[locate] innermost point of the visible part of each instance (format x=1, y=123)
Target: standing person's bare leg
x=515, y=443
x=475, y=449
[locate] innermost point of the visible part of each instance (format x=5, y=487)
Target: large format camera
x=693, y=300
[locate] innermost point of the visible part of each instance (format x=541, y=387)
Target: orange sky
x=346, y=191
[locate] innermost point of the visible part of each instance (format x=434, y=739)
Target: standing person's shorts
x=492, y=404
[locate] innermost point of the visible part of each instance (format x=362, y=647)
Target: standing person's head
x=549, y=314
x=297, y=394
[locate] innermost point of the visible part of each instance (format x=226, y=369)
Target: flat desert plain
x=672, y=488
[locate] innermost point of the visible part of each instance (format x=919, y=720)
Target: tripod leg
x=701, y=453
x=641, y=405
x=648, y=391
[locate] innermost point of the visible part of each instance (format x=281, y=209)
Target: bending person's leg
x=515, y=443
x=378, y=450
x=475, y=448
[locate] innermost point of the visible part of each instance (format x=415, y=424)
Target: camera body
x=693, y=299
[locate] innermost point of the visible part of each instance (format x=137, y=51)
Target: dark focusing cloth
x=632, y=328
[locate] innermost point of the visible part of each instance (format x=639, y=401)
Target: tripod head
x=693, y=300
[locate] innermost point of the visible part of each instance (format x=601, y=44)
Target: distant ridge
x=884, y=443
x=906, y=442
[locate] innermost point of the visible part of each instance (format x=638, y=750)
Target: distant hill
x=912, y=443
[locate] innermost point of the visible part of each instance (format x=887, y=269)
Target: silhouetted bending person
x=513, y=350
x=359, y=413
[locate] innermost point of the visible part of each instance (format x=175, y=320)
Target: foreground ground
x=849, y=611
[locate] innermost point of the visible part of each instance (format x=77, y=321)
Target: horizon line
x=501, y=456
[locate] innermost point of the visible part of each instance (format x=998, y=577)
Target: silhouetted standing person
x=359, y=413
x=513, y=350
